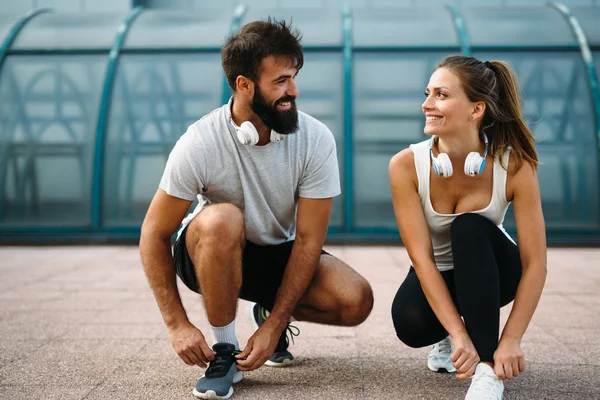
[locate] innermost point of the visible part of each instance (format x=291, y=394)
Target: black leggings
x=487, y=271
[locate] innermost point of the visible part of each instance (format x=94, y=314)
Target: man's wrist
x=277, y=321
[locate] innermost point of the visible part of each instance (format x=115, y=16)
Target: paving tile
x=70, y=363
x=16, y=392
x=84, y=323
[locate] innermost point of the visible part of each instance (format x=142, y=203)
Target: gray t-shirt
x=208, y=162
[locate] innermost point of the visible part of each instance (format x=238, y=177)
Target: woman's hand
x=508, y=359
x=465, y=357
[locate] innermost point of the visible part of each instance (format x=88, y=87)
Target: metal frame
x=461, y=30
x=15, y=30
x=236, y=22
x=348, y=231
x=103, y=113
x=347, y=122
x=588, y=62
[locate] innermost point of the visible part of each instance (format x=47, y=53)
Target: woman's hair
x=244, y=51
x=496, y=84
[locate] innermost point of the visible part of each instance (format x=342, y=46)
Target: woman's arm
x=415, y=236
x=524, y=189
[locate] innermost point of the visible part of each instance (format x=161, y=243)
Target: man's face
x=275, y=95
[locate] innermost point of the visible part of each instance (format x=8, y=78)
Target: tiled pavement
x=81, y=323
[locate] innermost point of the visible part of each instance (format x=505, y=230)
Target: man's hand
x=190, y=345
x=259, y=348
x=508, y=359
x=465, y=357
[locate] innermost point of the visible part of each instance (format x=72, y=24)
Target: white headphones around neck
x=247, y=133
x=474, y=164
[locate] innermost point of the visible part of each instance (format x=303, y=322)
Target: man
x=266, y=175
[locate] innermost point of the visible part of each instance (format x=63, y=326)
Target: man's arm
x=163, y=218
x=311, y=230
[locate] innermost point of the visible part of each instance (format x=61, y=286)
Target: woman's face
x=446, y=107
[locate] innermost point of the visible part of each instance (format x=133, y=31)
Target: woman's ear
x=478, y=111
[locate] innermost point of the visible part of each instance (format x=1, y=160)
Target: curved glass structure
x=91, y=105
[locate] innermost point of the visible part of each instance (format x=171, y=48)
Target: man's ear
x=244, y=86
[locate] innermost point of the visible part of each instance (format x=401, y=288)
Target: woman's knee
x=467, y=225
x=409, y=326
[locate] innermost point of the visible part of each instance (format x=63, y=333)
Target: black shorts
x=262, y=269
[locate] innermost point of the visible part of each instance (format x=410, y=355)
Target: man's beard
x=284, y=122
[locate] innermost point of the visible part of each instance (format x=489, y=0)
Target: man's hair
x=244, y=51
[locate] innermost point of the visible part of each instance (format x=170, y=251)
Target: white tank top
x=439, y=224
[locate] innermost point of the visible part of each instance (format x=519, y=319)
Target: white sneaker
x=485, y=385
x=439, y=356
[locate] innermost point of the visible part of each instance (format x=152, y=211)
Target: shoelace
x=284, y=341
x=221, y=364
x=486, y=384
x=445, y=346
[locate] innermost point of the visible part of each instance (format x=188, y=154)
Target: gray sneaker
x=257, y=315
x=217, y=382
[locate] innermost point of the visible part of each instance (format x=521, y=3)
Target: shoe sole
x=212, y=395
x=254, y=325
x=441, y=369
x=284, y=363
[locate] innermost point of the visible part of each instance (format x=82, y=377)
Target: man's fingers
x=245, y=353
x=205, y=353
x=259, y=363
x=197, y=357
x=185, y=359
x=249, y=361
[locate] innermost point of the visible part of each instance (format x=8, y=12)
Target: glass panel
x=318, y=28
x=589, y=19
x=517, y=27
x=179, y=29
x=155, y=99
x=48, y=109
x=321, y=96
x=51, y=31
x=388, y=93
x=557, y=106
x=404, y=28
x=7, y=21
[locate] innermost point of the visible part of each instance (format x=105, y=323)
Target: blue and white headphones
x=474, y=164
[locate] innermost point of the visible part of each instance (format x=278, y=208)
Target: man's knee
x=357, y=304
x=221, y=224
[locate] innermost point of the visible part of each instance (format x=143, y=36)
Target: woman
x=450, y=196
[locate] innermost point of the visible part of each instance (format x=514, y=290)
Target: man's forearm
x=299, y=272
x=160, y=271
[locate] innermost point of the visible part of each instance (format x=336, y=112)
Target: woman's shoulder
x=403, y=159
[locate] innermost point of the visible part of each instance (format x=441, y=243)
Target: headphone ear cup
x=474, y=164
x=247, y=133
x=444, y=165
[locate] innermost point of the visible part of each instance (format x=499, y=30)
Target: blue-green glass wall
x=364, y=77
